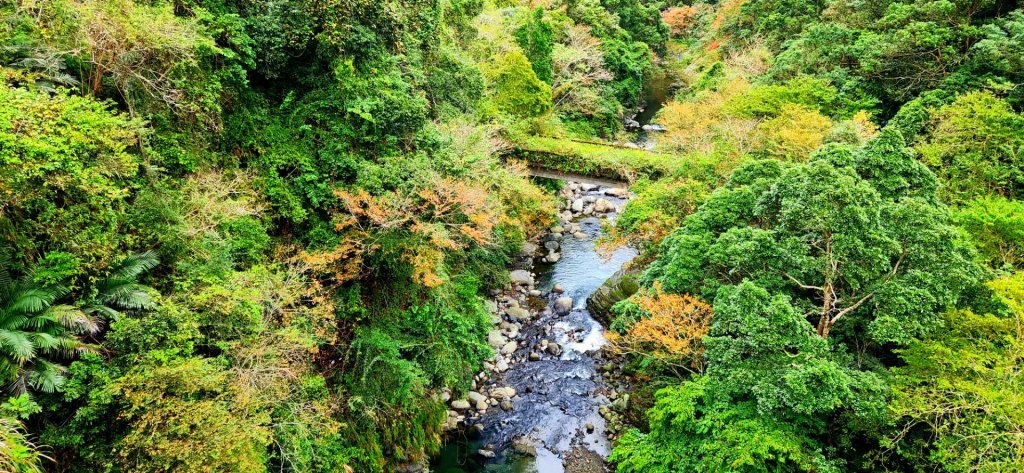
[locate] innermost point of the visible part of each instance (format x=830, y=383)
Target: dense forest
x=265, y=235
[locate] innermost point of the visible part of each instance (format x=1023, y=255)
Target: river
x=554, y=424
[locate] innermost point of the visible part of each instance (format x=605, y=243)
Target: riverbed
x=554, y=420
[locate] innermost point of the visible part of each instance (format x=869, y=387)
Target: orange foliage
x=672, y=332
x=679, y=19
x=727, y=9
x=446, y=215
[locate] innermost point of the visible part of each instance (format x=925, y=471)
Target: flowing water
x=557, y=396
x=657, y=90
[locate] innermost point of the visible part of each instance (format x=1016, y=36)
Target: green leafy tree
x=996, y=225
x=515, y=88
x=66, y=169
x=772, y=394
x=976, y=146
x=959, y=399
x=850, y=235
x=536, y=37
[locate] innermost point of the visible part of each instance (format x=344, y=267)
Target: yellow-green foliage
x=66, y=165
x=793, y=134
x=975, y=144
x=514, y=86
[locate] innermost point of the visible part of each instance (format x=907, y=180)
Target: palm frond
x=17, y=346
x=134, y=265
x=45, y=376
x=75, y=319
x=128, y=296
x=11, y=320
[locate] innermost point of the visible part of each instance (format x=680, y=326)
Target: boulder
x=617, y=192
x=475, y=397
x=506, y=392
x=496, y=339
x=554, y=349
x=580, y=236
x=618, y=287
x=577, y=205
x=589, y=187
x=518, y=313
x=563, y=305
x=534, y=356
x=603, y=205
x=529, y=249
x=509, y=348
x=558, y=289
x=460, y=404
x=552, y=257
x=523, y=446
x=485, y=453
x=552, y=245
x=521, y=276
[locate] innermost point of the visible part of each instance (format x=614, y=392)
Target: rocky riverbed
x=546, y=402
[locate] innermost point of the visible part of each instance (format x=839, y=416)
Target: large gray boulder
x=517, y=313
x=618, y=287
x=521, y=276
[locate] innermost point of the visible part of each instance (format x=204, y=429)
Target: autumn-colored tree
x=447, y=215
x=679, y=19
x=669, y=331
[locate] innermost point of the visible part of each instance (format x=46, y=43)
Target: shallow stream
x=555, y=412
